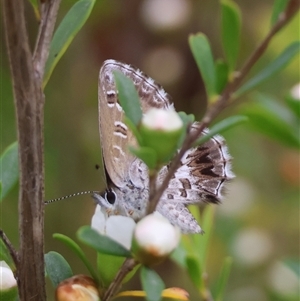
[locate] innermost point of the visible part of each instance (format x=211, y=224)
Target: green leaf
x=78, y=251
x=108, y=267
x=66, y=32
x=278, y=7
x=204, y=240
x=179, y=255
x=146, y=154
x=134, y=130
x=101, y=243
x=273, y=120
x=231, y=28
x=57, y=268
x=293, y=264
x=128, y=97
x=35, y=6
x=5, y=256
x=294, y=104
x=202, y=53
x=223, y=279
x=222, y=73
x=186, y=118
x=9, y=167
x=152, y=284
x=274, y=67
x=222, y=126
x=194, y=270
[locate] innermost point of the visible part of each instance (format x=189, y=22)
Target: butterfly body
x=200, y=178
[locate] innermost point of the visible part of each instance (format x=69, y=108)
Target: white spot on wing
x=121, y=124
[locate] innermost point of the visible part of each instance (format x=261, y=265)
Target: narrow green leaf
x=5, y=256
x=274, y=67
x=196, y=240
x=223, y=279
x=202, y=53
x=152, y=284
x=273, y=120
x=35, y=6
x=128, y=97
x=65, y=33
x=108, y=266
x=294, y=104
x=78, y=251
x=146, y=154
x=101, y=243
x=9, y=167
x=204, y=240
x=222, y=73
x=231, y=28
x=278, y=7
x=57, y=268
x=134, y=130
x=222, y=126
x=194, y=271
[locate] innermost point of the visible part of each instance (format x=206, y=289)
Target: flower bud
x=8, y=283
x=77, y=288
x=160, y=130
x=154, y=239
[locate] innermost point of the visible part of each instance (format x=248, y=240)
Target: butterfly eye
x=110, y=196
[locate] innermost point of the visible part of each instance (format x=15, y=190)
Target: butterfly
x=200, y=178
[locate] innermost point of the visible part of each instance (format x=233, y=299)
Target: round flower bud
x=160, y=130
x=77, y=288
x=8, y=283
x=154, y=239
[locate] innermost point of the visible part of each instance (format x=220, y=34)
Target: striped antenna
x=71, y=195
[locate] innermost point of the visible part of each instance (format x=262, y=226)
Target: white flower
x=119, y=228
x=164, y=120
x=7, y=279
x=154, y=239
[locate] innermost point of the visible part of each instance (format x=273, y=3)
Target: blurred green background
x=258, y=223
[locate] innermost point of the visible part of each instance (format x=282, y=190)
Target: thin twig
x=12, y=251
x=223, y=99
x=128, y=265
x=49, y=11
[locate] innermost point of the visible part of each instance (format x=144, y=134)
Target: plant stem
x=49, y=11
x=29, y=105
x=12, y=251
x=127, y=267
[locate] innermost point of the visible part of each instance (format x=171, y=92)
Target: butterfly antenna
x=70, y=196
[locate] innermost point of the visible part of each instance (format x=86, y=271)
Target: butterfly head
x=127, y=201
